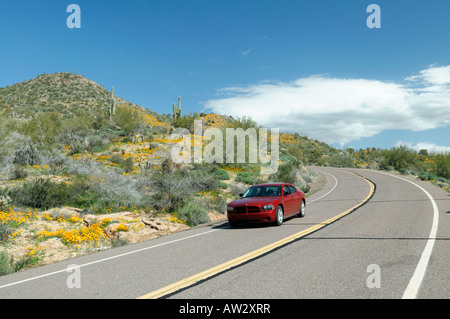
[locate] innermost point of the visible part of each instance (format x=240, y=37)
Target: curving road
x=396, y=245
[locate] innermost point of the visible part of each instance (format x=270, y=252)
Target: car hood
x=254, y=201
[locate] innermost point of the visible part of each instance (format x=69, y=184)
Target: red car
x=272, y=203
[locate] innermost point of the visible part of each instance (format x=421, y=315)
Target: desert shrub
x=5, y=232
x=290, y=172
x=223, y=185
x=217, y=203
x=222, y=174
x=96, y=143
x=442, y=165
x=399, y=157
x=201, y=180
x=304, y=187
x=342, y=159
x=128, y=119
x=26, y=154
x=33, y=194
x=193, y=214
x=5, y=200
x=44, y=194
x=172, y=190
x=249, y=178
x=116, y=191
x=75, y=130
x=187, y=121
x=81, y=167
x=6, y=263
x=19, y=149
x=18, y=172
x=43, y=128
x=76, y=147
x=287, y=172
x=244, y=122
x=238, y=188
x=100, y=189
x=426, y=176
x=308, y=175
x=55, y=162
x=126, y=164
x=111, y=192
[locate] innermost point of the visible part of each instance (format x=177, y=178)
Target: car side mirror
x=241, y=194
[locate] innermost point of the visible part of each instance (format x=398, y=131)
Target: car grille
x=247, y=209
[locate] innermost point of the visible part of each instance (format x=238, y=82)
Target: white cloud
x=433, y=75
x=336, y=110
x=430, y=147
x=246, y=52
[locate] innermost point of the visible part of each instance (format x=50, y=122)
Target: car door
x=297, y=199
x=288, y=200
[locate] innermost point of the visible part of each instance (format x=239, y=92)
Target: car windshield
x=261, y=191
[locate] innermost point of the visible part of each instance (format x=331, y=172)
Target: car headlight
x=230, y=209
x=267, y=207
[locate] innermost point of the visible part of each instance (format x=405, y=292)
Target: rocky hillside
x=66, y=93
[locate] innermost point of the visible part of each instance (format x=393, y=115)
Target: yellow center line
x=252, y=255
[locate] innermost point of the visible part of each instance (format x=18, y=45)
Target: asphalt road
x=394, y=246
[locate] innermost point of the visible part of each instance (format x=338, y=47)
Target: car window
x=261, y=191
x=286, y=190
x=293, y=190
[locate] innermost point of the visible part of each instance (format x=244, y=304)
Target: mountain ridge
x=67, y=93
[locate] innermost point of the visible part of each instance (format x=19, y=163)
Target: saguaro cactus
x=113, y=105
x=176, y=111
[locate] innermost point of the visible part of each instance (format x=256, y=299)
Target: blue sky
x=312, y=67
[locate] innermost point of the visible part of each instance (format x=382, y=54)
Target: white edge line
x=335, y=185
x=70, y=267
x=416, y=280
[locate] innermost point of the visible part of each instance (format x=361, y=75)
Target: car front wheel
x=279, y=217
x=302, y=211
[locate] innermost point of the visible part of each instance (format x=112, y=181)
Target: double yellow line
x=252, y=255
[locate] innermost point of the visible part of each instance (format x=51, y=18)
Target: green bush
x=44, y=194
x=223, y=185
x=221, y=174
x=244, y=122
x=202, y=180
x=33, y=194
x=5, y=200
x=193, y=214
x=6, y=263
x=427, y=176
x=26, y=154
x=442, y=165
x=126, y=164
x=5, y=232
x=342, y=159
x=128, y=119
x=399, y=157
x=247, y=178
x=187, y=121
x=287, y=173
x=99, y=189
